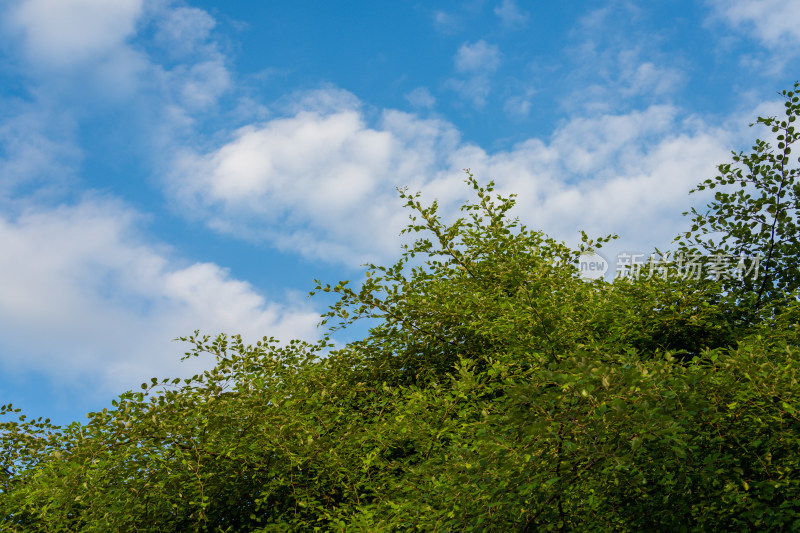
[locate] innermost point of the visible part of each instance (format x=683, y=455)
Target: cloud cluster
x=774, y=22
x=476, y=62
x=479, y=56
x=322, y=184
x=60, y=33
x=318, y=183
x=86, y=295
x=40, y=152
x=511, y=15
x=421, y=98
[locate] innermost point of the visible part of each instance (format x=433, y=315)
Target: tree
x=760, y=218
x=498, y=392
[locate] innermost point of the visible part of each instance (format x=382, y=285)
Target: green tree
x=497, y=392
x=756, y=213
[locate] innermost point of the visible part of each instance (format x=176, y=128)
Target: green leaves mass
x=496, y=391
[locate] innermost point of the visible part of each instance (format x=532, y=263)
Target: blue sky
x=167, y=166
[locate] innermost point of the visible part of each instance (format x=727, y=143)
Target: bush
x=498, y=392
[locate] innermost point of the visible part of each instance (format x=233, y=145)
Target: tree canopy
x=760, y=217
x=498, y=391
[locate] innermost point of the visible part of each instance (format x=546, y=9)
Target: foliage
x=498, y=392
x=761, y=217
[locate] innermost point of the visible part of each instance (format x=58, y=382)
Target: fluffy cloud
x=446, y=22
x=309, y=182
x=476, y=62
x=421, y=97
x=85, y=296
x=201, y=75
x=475, y=89
x=651, y=79
x=627, y=174
x=617, y=63
x=199, y=85
x=774, y=22
x=153, y=55
x=511, y=15
x=322, y=184
x=477, y=57
x=64, y=32
x=517, y=107
x=183, y=30
x=38, y=151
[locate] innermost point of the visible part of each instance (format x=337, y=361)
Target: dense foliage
x=498, y=392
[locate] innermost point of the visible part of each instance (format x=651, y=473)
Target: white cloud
x=649, y=78
x=325, y=100
x=628, y=174
x=592, y=142
x=517, y=107
x=200, y=85
x=475, y=89
x=81, y=53
x=617, y=75
x=323, y=184
x=477, y=57
x=618, y=63
x=775, y=23
x=446, y=22
x=85, y=297
x=421, y=97
x=65, y=32
x=477, y=61
x=38, y=150
x=83, y=293
x=511, y=15
x=310, y=182
x=183, y=30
